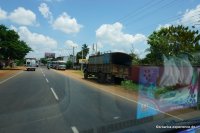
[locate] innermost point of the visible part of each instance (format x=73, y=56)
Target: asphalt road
x=44, y=101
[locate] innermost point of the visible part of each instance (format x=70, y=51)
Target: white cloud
x=44, y=10
x=71, y=44
x=191, y=17
x=13, y=28
x=163, y=26
x=3, y=14
x=112, y=35
x=22, y=16
x=66, y=24
x=36, y=41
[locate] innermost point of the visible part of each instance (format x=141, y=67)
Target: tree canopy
x=171, y=41
x=85, y=51
x=11, y=47
x=135, y=57
x=44, y=60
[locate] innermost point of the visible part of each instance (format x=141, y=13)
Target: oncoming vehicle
x=31, y=64
x=60, y=65
x=49, y=64
x=53, y=64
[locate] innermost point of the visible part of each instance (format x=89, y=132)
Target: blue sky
x=57, y=25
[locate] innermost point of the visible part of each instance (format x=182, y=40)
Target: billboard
x=49, y=55
x=83, y=61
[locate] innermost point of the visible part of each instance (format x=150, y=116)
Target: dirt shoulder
x=111, y=88
x=6, y=73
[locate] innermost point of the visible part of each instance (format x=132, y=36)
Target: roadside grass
x=129, y=85
x=162, y=90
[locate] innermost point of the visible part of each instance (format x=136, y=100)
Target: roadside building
x=66, y=58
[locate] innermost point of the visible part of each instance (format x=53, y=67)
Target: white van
x=31, y=64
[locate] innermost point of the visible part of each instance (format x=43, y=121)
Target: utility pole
x=93, y=49
x=73, y=56
x=82, y=62
x=96, y=48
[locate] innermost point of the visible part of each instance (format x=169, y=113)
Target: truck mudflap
x=86, y=75
x=30, y=69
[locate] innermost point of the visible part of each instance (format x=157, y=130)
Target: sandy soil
x=6, y=73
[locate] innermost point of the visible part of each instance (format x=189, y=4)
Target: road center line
x=55, y=95
x=10, y=77
x=47, y=80
x=44, y=75
x=75, y=130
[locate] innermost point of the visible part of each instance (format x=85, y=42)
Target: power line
x=150, y=12
x=173, y=18
x=139, y=13
x=167, y=20
x=136, y=11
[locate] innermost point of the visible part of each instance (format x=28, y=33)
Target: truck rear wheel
x=85, y=75
x=101, y=77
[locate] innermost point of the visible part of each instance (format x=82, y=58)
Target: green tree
x=135, y=57
x=43, y=61
x=11, y=47
x=84, y=51
x=69, y=64
x=171, y=41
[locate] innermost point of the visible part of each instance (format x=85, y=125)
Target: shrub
x=129, y=85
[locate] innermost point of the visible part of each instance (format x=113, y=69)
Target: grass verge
x=129, y=85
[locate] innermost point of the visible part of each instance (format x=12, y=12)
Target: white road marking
x=47, y=80
x=42, y=72
x=116, y=117
x=55, y=95
x=10, y=77
x=75, y=130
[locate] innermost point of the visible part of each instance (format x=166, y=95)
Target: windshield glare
x=69, y=66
